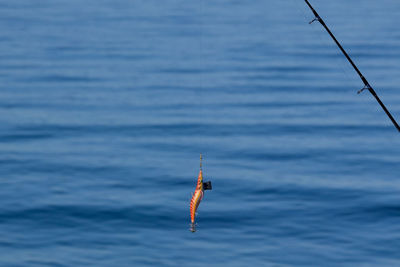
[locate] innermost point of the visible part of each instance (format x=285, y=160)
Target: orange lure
x=198, y=196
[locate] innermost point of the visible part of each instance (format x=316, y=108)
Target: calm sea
x=105, y=106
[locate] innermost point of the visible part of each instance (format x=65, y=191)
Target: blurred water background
x=106, y=105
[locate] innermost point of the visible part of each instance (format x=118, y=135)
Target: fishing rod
x=367, y=86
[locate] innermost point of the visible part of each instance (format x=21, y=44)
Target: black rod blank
x=364, y=80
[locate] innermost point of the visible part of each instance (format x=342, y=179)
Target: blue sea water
x=106, y=105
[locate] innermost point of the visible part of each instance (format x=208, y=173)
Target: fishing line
x=324, y=42
x=201, y=84
x=343, y=66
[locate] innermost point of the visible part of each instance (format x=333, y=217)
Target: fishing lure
x=198, y=196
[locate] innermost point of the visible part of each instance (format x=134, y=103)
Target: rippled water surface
x=106, y=105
